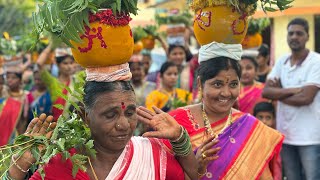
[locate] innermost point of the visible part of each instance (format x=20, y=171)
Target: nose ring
x=118, y=125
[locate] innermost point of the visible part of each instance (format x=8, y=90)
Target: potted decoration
x=32, y=45
x=98, y=31
x=253, y=38
x=149, y=39
x=226, y=21
x=9, y=50
x=138, y=34
x=176, y=25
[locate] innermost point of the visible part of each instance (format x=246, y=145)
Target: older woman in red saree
x=228, y=144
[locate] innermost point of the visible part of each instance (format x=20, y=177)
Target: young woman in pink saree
x=228, y=144
x=251, y=90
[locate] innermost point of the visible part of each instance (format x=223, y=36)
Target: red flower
x=107, y=17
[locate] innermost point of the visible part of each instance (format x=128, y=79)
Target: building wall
x=280, y=34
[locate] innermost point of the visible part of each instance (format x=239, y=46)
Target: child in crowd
x=265, y=112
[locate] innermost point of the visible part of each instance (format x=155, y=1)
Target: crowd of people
x=239, y=112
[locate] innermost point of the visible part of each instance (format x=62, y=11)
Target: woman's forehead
x=116, y=97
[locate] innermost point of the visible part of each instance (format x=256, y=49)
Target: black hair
x=300, y=21
x=60, y=59
x=264, y=107
x=19, y=75
x=131, y=63
x=165, y=66
x=264, y=50
x=2, y=78
x=93, y=89
x=252, y=60
x=173, y=46
x=211, y=68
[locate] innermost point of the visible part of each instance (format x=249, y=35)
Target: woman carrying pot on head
x=56, y=86
x=167, y=96
x=228, y=144
x=13, y=108
x=112, y=115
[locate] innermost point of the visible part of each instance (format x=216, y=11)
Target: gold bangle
x=201, y=175
x=15, y=163
x=179, y=138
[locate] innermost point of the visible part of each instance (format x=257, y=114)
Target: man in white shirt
x=295, y=83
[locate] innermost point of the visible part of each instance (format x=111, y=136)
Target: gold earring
x=199, y=94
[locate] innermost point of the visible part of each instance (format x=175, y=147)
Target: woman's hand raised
x=163, y=124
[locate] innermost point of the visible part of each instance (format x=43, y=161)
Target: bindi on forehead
x=123, y=106
x=227, y=79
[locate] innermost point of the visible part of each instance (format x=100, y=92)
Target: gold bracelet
x=201, y=175
x=15, y=163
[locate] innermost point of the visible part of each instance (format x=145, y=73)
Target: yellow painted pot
x=137, y=48
x=103, y=45
x=148, y=42
x=222, y=24
x=251, y=41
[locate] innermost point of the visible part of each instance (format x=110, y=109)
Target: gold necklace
x=209, y=130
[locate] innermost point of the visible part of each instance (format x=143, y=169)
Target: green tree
x=15, y=16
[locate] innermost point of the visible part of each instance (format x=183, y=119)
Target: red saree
x=250, y=96
x=9, y=117
x=147, y=159
x=248, y=158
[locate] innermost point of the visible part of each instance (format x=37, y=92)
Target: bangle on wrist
x=201, y=175
x=17, y=165
x=181, y=134
x=182, y=147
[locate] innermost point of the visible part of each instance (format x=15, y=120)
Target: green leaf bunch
x=176, y=103
x=70, y=132
x=183, y=18
x=257, y=25
x=8, y=47
x=245, y=6
x=66, y=19
x=151, y=30
x=275, y=5
x=138, y=33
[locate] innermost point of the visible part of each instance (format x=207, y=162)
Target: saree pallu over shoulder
x=9, y=117
x=248, y=158
x=142, y=158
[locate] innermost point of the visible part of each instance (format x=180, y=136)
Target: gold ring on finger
x=203, y=156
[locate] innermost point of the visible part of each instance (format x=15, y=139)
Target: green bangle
x=183, y=147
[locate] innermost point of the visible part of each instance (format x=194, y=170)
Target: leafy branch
x=70, y=132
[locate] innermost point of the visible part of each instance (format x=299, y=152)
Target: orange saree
x=249, y=157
